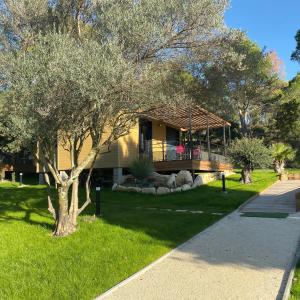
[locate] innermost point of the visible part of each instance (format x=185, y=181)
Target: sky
x=270, y=23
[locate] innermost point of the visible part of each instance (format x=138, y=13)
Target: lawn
x=295, y=290
x=129, y=235
x=293, y=171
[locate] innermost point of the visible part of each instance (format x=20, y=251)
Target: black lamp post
x=21, y=179
x=98, y=189
x=223, y=183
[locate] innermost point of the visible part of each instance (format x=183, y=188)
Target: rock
x=163, y=190
x=126, y=178
x=186, y=187
x=114, y=187
x=171, y=183
x=198, y=181
x=184, y=177
x=176, y=190
x=149, y=191
x=122, y=188
x=134, y=189
x=163, y=180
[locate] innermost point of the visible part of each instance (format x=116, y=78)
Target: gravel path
x=236, y=258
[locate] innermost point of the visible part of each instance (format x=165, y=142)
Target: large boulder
x=185, y=187
x=171, y=183
x=198, y=181
x=176, y=190
x=126, y=179
x=159, y=180
x=163, y=191
x=150, y=190
x=114, y=187
x=184, y=177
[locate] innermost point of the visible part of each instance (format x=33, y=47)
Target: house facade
x=174, y=139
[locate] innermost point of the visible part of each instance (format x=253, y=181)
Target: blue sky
x=270, y=23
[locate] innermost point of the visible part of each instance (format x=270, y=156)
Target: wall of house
x=104, y=160
x=159, y=136
x=128, y=147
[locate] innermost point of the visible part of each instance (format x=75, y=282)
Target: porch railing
x=173, y=150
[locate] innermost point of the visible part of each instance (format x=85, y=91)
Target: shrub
x=142, y=168
x=249, y=154
x=281, y=153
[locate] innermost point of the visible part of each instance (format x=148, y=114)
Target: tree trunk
x=279, y=167
x=73, y=211
x=244, y=124
x=64, y=223
x=246, y=176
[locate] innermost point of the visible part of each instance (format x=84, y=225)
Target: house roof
x=193, y=116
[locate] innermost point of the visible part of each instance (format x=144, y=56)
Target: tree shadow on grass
x=135, y=212
x=24, y=204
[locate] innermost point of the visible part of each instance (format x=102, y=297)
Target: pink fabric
x=196, y=152
x=180, y=149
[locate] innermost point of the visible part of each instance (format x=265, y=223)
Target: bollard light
x=223, y=183
x=21, y=178
x=98, y=189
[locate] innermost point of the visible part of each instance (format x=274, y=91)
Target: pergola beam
x=181, y=118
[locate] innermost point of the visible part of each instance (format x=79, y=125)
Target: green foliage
x=142, y=168
x=286, y=125
x=250, y=153
x=296, y=53
x=239, y=81
x=35, y=265
x=287, y=115
x=282, y=152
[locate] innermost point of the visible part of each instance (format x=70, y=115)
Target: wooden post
x=190, y=135
x=163, y=150
x=208, y=138
x=224, y=139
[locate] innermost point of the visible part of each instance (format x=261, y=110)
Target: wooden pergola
x=190, y=118
x=186, y=118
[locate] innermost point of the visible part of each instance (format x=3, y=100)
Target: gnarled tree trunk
x=246, y=176
x=64, y=221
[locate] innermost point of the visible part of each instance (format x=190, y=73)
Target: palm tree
x=281, y=153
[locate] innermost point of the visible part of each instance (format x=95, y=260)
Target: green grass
x=293, y=171
x=35, y=265
x=295, y=290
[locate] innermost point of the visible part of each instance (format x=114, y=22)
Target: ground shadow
x=135, y=212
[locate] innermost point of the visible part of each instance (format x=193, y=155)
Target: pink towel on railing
x=180, y=149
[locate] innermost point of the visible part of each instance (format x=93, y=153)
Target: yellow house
x=174, y=138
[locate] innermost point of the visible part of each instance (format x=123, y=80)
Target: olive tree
x=62, y=92
x=87, y=69
x=249, y=154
